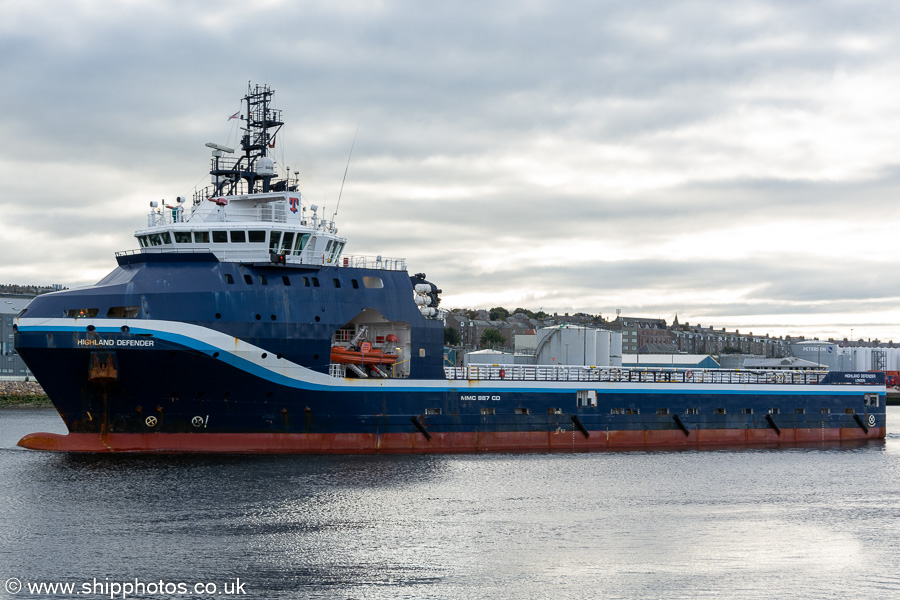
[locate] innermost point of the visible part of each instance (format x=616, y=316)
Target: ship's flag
x=235, y=115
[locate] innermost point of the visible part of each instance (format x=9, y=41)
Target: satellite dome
x=265, y=166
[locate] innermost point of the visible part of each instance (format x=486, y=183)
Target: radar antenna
x=254, y=167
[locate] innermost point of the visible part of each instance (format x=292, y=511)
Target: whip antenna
x=345, y=174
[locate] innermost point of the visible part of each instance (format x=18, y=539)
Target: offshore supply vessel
x=240, y=325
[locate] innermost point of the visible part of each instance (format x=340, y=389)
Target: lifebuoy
x=502, y=373
x=689, y=375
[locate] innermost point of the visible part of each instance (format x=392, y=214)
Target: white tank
x=265, y=166
x=615, y=348
x=603, y=347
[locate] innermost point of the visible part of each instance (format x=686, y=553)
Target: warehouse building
x=12, y=367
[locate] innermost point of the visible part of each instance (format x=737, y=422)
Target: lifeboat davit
x=364, y=355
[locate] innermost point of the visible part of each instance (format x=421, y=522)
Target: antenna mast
x=345, y=173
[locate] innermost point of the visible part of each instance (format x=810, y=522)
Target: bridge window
x=287, y=240
x=183, y=237
x=166, y=238
x=301, y=242
x=220, y=237
x=257, y=237
x=201, y=237
x=155, y=240
x=285, y=280
x=238, y=237
x=373, y=283
x=228, y=278
x=248, y=280
x=335, y=250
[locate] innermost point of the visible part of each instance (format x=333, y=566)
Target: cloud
x=725, y=161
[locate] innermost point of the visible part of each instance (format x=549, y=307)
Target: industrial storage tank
x=572, y=345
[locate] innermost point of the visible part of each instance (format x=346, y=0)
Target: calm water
x=818, y=522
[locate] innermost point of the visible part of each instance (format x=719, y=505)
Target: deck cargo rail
x=633, y=374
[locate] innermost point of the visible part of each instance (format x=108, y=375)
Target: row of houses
x=639, y=335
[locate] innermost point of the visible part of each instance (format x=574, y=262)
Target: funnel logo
x=294, y=203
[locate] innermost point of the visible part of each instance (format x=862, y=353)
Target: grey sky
x=734, y=162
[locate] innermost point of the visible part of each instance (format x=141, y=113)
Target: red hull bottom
x=416, y=443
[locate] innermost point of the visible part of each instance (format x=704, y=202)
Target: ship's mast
x=255, y=167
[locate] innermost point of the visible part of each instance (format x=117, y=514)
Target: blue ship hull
x=207, y=366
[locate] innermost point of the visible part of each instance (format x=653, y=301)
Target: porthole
x=264, y=355
x=315, y=357
x=273, y=317
x=258, y=317
x=215, y=355
x=318, y=319
x=218, y=315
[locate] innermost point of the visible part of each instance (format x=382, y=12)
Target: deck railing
x=380, y=263
x=631, y=374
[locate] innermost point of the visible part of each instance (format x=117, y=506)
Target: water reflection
x=810, y=522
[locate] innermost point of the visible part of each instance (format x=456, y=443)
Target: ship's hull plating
x=176, y=387
x=440, y=442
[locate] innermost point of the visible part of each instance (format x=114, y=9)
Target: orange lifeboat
x=364, y=355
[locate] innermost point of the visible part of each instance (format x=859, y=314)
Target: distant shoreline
x=23, y=394
x=25, y=402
